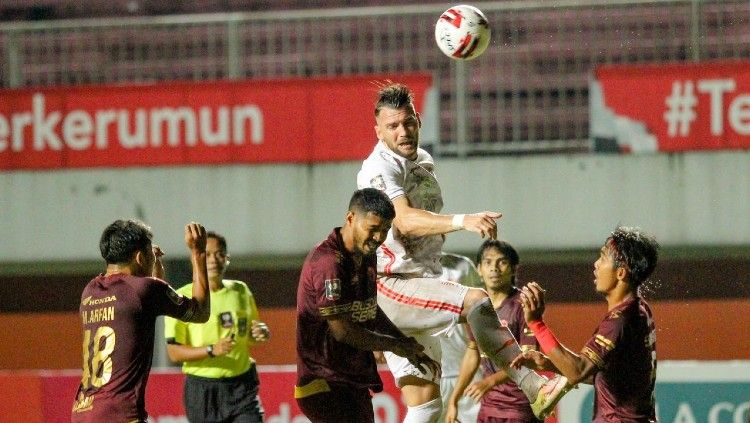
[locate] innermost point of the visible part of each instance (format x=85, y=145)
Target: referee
x=222, y=380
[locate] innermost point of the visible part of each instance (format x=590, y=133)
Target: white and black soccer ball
x=462, y=32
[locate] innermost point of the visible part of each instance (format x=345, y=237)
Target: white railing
x=527, y=93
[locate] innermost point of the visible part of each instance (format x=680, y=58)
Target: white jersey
x=398, y=176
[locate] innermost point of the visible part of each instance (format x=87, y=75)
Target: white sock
x=428, y=412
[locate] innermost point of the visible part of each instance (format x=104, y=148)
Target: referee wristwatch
x=210, y=351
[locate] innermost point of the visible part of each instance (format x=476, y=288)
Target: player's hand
x=483, y=223
x=414, y=352
x=224, y=346
x=531, y=359
x=451, y=413
x=476, y=390
x=532, y=301
x=158, y=271
x=260, y=331
x=195, y=237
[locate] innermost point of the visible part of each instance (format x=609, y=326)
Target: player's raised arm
x=571, y=365
x=195, y=239
x=412, y=221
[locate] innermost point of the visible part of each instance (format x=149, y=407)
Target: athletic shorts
x=234, y=399
x=424, y=308
x=342, y=403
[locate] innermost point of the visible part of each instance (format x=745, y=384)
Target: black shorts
x=341, y=404
x=226, y=400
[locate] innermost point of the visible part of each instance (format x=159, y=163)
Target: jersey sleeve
x=605, y=339
x=382, y=172
x=164, y=300
x=175, y=331
x=328, y=281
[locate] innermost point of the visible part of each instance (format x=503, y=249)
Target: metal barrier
x=527, y=93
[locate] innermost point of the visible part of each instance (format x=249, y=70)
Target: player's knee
x=473, y=296
x=428, y=412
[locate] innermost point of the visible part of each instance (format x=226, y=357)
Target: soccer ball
x=462, y=32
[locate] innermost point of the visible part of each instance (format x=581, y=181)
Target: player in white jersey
x=410, y=290
x=462, y=270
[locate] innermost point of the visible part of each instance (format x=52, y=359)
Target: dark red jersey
x=507, y=400
x=118, y=313
x=332, y=285
x=624, y=349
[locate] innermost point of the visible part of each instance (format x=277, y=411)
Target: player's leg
x=420, y=307
x=500, y=346
x=419, y=389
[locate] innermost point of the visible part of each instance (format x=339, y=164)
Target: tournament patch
x=226, y=319
x=333, y=289
x=378, y=182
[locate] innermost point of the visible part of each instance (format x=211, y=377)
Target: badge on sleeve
x=378, y=182
x=333, y=289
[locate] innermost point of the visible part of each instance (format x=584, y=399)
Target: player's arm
x=476, y=390
x=200, y=307
x=469, y=366
x=348, y=332
x=564, y=361
x=158, y=271
x=412, y=221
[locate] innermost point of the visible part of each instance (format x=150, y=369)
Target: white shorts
x=423, y=308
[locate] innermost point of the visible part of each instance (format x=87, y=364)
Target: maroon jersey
x=332, y=285
x=507, y=400
x=624, y=349
x=118, y=313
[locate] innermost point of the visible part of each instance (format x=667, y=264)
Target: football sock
x=501, y=347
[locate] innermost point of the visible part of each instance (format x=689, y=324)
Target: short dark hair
x=504, y=247
x=220, y=238
x=123, y=238
x=394, y=96
x=635, y=250
x=371, y=200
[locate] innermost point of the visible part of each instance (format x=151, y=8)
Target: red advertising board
x=673, y=107
x=164, y=396
x=190, y=123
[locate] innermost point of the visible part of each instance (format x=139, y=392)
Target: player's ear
x=138, y=257
x=349, y=217
x=419, y=119
x=622, y=274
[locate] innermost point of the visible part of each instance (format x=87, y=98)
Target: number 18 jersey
x=118, y=316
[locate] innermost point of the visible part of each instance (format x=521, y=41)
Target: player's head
x=628, y=255
x=368, y=220
x=217, y=256
x=396, y=121
x=497, y=263
x=128, y=243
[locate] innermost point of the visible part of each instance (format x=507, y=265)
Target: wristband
x=210, y=351
x=458, y=221
x=547, y=339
